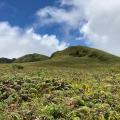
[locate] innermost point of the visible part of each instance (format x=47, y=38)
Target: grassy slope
x=85, y=53
x=64, y=88
x=46, y=90
x=31, y=58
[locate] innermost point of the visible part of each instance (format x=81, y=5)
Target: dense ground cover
x=53, y=91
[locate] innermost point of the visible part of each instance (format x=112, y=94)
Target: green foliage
x=17, y=67
x=53, y=111
x=78, y=101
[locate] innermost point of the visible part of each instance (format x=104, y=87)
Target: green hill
x=6, y=60
x=84, y=53
x=68, y=56
x=77, y=83
x=31, y=58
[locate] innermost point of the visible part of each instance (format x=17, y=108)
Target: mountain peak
x=85, y=52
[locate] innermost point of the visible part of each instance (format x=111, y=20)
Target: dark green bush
x=17, y=67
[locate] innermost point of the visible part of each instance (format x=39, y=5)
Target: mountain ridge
x=84, y=52
x=26, y=58
x=70, y=53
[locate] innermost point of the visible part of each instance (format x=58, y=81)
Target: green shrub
x=78, y=101
x=54, y=111
x=17, y=67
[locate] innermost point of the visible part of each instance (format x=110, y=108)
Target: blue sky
x=46, y=26
x=22, y=13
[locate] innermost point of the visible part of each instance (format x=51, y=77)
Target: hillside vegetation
x=80, y=54
x=31, y=58
x=64, y=87
x=26, y=58
x=6, y=60
x=85, y=53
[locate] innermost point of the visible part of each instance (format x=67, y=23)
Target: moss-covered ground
x=36, y=91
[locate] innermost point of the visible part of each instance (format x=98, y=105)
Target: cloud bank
x=15, y=42
x=97, y=21
x=102, y=21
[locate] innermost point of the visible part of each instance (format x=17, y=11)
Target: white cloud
x=15, y=42
x=102, y=16
x=103, y=24
x=70, y=18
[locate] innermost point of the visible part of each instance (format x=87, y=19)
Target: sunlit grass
x=39, y=91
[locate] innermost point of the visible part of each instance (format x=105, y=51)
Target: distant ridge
x=6, y=60
x=31, y=58
x=26, y=58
